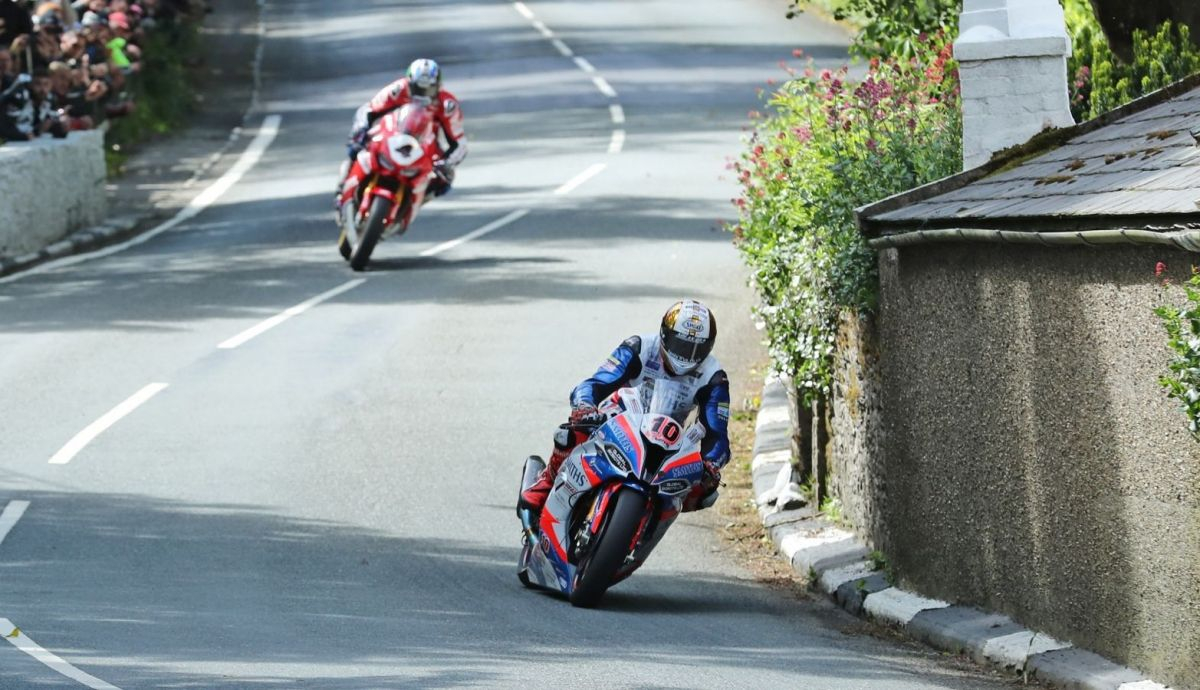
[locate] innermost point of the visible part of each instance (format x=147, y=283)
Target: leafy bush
x=162, y=90
x=829, y=146
x=1183, y=339
x=1102, y=81
x=890, y=28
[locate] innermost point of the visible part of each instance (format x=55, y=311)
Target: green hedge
x=827, y=146
x=1102, y=81
x=162, y=90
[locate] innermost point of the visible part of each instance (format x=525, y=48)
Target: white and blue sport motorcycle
x=614, y=497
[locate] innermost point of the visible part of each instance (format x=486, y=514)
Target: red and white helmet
x=687, y=334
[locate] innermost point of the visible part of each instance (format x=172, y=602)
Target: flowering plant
x=1183, y=339
x=829, y=145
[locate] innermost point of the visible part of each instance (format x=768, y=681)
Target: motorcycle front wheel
x=372, y=230
x=599, y=566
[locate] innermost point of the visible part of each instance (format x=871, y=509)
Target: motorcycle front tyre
x=373, y=230
x=612, y=544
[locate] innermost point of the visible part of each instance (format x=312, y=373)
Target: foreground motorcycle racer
x=679, y=352
x=423, y=80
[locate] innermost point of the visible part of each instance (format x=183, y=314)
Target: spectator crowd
x=68, y=66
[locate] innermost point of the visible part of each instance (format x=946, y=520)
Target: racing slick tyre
x=372, y=231
x=599, y=566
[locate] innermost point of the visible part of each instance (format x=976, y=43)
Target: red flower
x=1159, y=269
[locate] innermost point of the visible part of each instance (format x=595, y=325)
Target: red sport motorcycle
x=387, y=181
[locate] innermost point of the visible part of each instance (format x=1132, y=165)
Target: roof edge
x=1045, y=141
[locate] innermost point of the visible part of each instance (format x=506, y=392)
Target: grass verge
x=742, y=527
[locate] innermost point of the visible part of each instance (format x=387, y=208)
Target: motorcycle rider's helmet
x=424, y=78
x=687, y=336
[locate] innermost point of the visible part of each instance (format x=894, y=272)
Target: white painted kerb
x=1012, y=651
x=897, y=606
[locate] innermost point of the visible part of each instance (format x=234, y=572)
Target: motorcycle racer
x=679, y=352
x=422, y=81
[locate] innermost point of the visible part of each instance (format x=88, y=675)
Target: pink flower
x=797, y=53
x=1159, y=269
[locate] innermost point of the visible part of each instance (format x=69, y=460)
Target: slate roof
x=1139, y=165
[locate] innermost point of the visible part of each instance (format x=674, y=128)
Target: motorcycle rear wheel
x=611, y=545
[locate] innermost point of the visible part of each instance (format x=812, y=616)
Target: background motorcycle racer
x=679, y=352
x=422, y=81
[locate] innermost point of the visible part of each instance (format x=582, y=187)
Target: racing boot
x=534, y=498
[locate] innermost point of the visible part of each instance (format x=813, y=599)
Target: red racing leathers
x=447, y=113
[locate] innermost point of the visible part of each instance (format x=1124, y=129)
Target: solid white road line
x=64, y=454
x=288, y=313
x=618, y=114
x=252, y=154
x=581, y=178
x=12, y=512
x=23, y=643
x=585, y=65
x=490, y=227
x=618, y=141
x=524, y=10
x=604, y=87
x=562, y=47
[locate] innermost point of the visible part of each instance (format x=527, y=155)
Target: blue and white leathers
x=637, y=362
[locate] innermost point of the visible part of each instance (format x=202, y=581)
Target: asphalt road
x=329, y=504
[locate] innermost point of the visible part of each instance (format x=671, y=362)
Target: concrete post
x=1013, y=64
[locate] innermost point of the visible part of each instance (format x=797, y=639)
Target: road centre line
x=12, y=512
x=22, y=642
x=617, y=142
x=490, y=227
x=524, y=10
x=268, y=324
x=579, y=179
x=618, y=114
x=91, y=431
x=253, y=153
x=543, y=29
x=604, y=87
x=585, y=65
x=562, y=47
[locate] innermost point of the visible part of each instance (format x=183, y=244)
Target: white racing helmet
x=687, y=334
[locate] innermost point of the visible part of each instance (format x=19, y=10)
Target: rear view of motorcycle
x=387, y=181
x=613, y=500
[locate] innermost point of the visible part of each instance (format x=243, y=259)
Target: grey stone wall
x=1034, y=465
x=855, y=458
x=49, y=188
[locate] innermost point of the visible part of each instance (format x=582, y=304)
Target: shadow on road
x=157, y=589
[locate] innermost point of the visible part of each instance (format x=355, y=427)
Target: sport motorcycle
x=395, y=168
x=614, y=498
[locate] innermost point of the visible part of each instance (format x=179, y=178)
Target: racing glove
x=586, y=414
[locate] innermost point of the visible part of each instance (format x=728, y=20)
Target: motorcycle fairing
x=621, y=431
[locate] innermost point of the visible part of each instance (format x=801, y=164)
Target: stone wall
x=1034, y=465
x=855, y=460
x=49, y=188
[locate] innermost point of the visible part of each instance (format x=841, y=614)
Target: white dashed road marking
x=8, y=519
x=268, y=324
x=22, y=642
x=490, y=227
x=581, y=178
x=64, y=455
